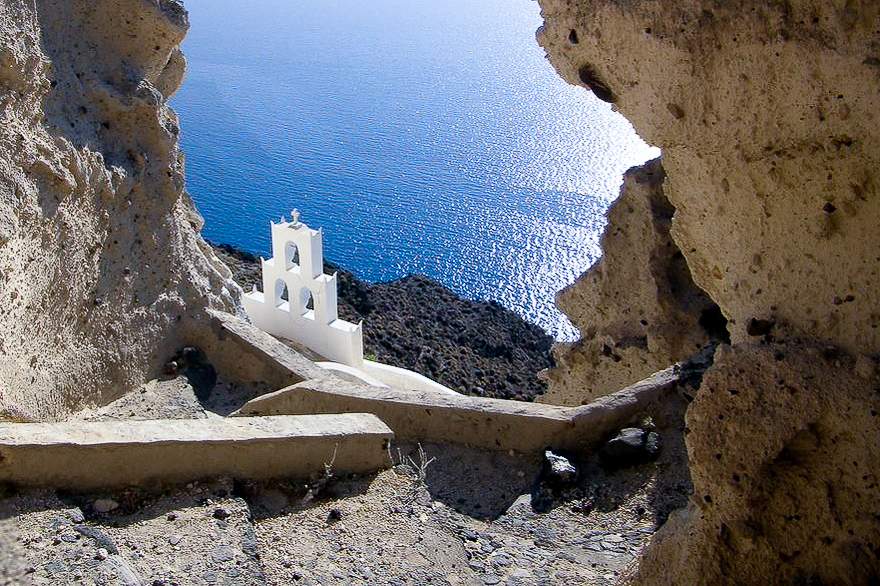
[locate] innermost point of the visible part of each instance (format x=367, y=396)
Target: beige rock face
x=100, y=258
x=767, y=116
x=637, y=308
x=784, y=471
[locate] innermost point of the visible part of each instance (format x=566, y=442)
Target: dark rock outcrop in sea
x=474, y=347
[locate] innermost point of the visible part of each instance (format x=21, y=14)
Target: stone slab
x=255, y=341
x=86, y=455
x=487, y=423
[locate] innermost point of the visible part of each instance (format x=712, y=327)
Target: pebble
x=75, y=515
x=101, y=555
x=561, y=470
x=174, y=539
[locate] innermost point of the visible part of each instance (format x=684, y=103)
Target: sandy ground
x=445, y=514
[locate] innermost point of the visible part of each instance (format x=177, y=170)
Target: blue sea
x=422, y=137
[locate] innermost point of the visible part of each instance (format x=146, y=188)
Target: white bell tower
x=309, y=314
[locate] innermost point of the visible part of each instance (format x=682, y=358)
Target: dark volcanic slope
x=474, y=347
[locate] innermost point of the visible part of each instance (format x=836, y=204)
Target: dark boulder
x=631, y=447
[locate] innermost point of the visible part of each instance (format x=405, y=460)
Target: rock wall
x=101, y=264
x=637, y=308
x=766, y=112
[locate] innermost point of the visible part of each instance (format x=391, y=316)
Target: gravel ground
x=445, y=514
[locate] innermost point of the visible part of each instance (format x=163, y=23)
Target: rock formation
x=766, y=111
x=766, y=114
x=637, y=308
x=102, y=270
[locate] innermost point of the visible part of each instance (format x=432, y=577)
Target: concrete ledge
x=488, y=423
x=86, y=455
x=265, y=346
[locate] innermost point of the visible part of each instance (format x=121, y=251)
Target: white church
x=309, y=314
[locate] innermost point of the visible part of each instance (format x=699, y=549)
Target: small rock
x=334, y=515
x=104, y=505
x=559, y=468
x=174, y=539
x=631, y=447
x=75, y=515
x=101, y=539
x=101, y=555
x=171, y=517
x=220, y=513
x=222, y=553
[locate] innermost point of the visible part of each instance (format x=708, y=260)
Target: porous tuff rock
x=784, y=472
x=766, y=113
x=101, y=264
x=637, y=308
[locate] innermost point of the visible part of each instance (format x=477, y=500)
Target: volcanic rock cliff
x=766, y=112
x=102, y=269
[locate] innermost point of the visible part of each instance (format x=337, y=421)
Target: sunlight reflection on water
x=422, y=137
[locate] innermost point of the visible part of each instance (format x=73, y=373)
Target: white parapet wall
x=309, y=314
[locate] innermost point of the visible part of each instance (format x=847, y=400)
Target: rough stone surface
x=784, y=473
x=637, y=308
x=766, y=113
x=100, y=255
